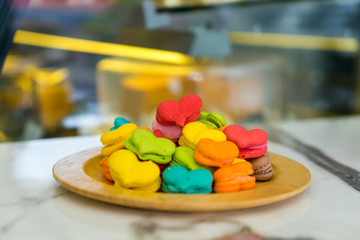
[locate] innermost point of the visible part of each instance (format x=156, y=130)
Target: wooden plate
x=80, y=173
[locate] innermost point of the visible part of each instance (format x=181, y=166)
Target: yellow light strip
x=123, y=66
x=191, y=3
x=294, y=41
x=103, y=48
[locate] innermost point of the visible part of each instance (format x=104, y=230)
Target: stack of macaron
x=186, y=151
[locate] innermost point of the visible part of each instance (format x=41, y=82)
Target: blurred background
x=69, y=67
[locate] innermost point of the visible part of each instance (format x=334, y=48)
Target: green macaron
x=184, y=156
x=213, y=120
x=148, y=147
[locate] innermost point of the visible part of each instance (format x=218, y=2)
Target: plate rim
x=124, y=197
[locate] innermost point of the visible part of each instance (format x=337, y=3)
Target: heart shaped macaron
x=216, y=154
x=234, y=178
x=184, y=157
x=177, y=179
x=213, y=120
x=115, y=139
x=128, y=172
x=195, y=131
x=251, y=144
x=179, y=113
x=148, y=147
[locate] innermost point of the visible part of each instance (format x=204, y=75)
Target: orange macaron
x=105, y=169
x=234, y=178
x=215, y=154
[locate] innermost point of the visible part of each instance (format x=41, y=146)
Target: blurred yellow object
x=3, y=137
x=142, y=93
x=16, y=89
x=295, y=41
x=103, y=48
x=53, y=93
x=49, y=77
x=128, y=66
x=16, y=99
x=145, y=83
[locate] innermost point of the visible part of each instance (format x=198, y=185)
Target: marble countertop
x=33, y=205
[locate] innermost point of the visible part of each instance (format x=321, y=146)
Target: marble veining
x=152, y=230
x=345, y=173
x=26, y=205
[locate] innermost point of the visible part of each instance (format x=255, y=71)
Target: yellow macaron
x=193, y=132
x=128, y=172
x=114, y=140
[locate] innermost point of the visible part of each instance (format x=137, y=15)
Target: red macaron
x=251, y=144
x=179, y=113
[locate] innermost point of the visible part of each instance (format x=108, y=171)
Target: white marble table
x=33, y=205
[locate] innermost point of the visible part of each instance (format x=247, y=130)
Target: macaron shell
x=213, y=120
x=208, y=124
x=245, y=183
x=154, y=187
x=172, y=132
x=115, y=139
x=128, y=172
x=263, y=170
x=193, y=132
x=118, y=122
x=179, y=179
x=212, y=134
x=110, y=148
x=216, y=154
x=237, y=160
x=179, y=113
x=184, y=157
x=244, y=138
x=234, y=178
x=105, y=170
x=252, y=153
x=217, y=119
x=118, y=134
x=148, y=147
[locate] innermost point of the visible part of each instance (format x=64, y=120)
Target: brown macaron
x=262, y=167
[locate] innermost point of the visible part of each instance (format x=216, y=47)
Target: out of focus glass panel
x=135, y=88
x=237, y=89
x=33, y=100
x=75, y=65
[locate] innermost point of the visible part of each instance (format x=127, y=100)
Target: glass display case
x=69, y=67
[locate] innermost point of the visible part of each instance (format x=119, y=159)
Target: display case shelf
x=188, y=5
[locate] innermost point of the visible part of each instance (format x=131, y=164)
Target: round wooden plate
x=80, y=173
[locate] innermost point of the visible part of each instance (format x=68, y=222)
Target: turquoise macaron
x=118, y=122
x=177, y=179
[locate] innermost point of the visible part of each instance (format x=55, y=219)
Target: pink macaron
x=172, y=132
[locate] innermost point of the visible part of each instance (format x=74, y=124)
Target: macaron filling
x=257, y=147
